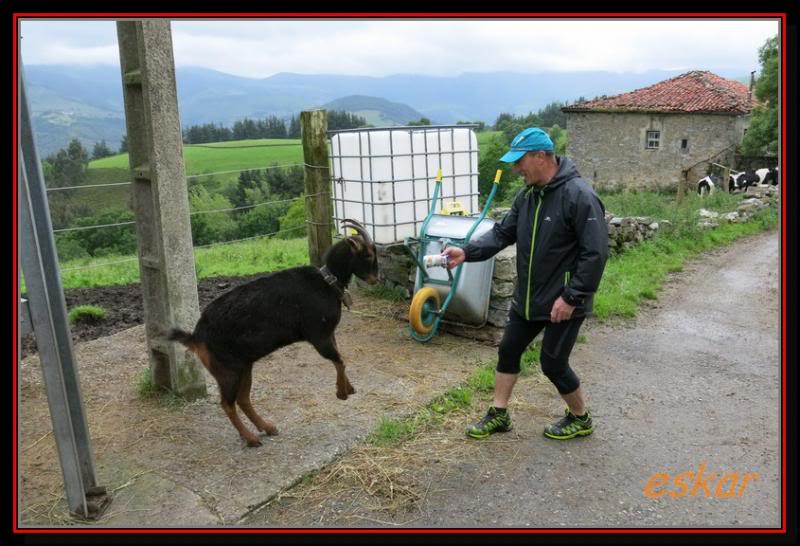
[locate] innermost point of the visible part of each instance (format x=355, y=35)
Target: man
x=558, y=224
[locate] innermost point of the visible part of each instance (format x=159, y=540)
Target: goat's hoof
x=267, y=427
x=350, y=389
x=253, y=442
x=341, y=395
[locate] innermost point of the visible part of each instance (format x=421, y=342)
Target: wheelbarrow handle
x=486, y=205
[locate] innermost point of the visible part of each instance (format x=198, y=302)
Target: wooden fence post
x=319, y=212
x=726, y=174
x=682, y=186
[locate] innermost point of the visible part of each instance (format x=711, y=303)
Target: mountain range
x=86, y=101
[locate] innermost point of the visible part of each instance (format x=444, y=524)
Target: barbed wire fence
x=200, y=212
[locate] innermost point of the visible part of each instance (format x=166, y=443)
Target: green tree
x=339, y=119
x=261, y=220
x=552, y=115
x=294, y=220
x=66, y=168
x=242, y=193
x=294, y=127
x=101, y=150
x=481, y=125
x=559, y=138
x=104, y=241
x=511, y=125
x=421, y=121
x=210, y=227
x=762, y=134
x=487, y=168
x=286, y=182
x=123, y=145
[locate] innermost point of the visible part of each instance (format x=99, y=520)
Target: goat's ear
x=355, y=244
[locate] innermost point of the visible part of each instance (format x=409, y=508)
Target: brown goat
x=254, y=319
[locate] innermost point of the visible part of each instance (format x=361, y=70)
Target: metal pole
x=49, y=319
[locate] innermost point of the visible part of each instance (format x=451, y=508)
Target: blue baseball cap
x=531, y=139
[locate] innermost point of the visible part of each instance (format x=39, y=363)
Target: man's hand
x=455, y=255
x=561, y=310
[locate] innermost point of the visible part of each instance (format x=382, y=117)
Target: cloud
x=260, y=48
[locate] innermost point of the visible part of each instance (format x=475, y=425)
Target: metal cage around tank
x=389, y=190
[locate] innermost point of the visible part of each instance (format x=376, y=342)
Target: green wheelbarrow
x=435, y=293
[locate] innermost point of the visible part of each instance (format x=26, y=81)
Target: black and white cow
x=769, y=176
x=707, y=185
x=742, y=180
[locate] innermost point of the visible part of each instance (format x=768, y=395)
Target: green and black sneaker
x=492, y=422
x=570, y=426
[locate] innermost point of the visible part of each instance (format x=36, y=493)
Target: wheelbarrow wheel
x=424, y=307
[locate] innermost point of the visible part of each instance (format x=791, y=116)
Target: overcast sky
x=260, y=48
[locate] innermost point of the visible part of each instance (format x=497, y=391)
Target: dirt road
x=691, y=385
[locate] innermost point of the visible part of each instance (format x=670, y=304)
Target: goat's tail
x=193, y=344
x=184, y=338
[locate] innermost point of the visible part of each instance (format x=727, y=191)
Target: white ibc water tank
x=385, y=178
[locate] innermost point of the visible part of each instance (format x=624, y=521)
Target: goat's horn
x=359, y=228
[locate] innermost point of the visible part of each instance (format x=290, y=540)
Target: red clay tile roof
x=693, y=92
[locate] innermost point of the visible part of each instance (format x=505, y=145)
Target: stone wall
x=624, y=233
x=610, y=151
x=755, y=198
x=397, y=267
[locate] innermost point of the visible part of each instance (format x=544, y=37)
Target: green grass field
x=236, y=259
x=224, y=156
x=198, y=159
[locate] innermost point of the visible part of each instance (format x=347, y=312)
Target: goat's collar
x=332, y=280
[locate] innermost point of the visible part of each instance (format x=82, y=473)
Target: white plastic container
x=385, y=178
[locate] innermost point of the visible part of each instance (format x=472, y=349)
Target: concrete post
x=155, y=147
x=319, y=212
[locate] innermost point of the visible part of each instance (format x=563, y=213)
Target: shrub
x=86, y=314
x=295, y=217
x=69, y=248
x=261, y=220
x=107, y=240
x=210, y=227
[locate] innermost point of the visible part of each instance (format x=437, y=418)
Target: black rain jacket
x=562, y=244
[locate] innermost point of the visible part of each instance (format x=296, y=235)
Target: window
x=653, y=138
x=684, y=144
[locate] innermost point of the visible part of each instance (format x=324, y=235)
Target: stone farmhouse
x=651, y=137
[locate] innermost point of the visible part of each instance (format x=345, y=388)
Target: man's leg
x=517, y=335
x=559, y=339
x=503, y=386
x=575, y=401
x=516, y=338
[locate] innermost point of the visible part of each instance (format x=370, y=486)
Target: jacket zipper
x=530, y=260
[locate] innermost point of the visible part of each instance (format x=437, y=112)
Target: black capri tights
x=559, y=338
